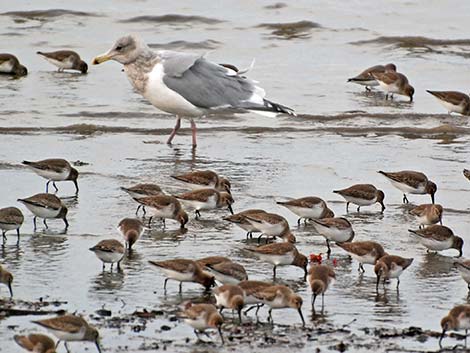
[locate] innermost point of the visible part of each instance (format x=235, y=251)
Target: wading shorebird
x=411, y=182
x=54, y=170
x=186, y=85
x=65, y=60
x=362, y=195
x=366, y=78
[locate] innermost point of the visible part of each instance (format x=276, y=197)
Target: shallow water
x=304, y=55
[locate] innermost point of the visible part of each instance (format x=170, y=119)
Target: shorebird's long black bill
x=377, y=284
x=230, y=209
x=301, y=316
x=10, y=289
x=97, y=343
x=220, y=334
x=441, y=338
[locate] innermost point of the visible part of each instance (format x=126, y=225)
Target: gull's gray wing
x=207, y=85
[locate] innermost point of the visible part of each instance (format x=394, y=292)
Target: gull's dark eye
x=119, y=48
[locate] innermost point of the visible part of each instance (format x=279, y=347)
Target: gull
x=186, y=85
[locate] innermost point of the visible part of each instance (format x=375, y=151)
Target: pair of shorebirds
x=42, y=205
x=393, y=82
x=62, y=59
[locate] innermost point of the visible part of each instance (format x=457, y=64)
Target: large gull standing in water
x=187, y=85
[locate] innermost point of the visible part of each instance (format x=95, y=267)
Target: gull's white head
x=125, y=51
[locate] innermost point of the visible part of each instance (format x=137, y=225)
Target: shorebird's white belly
x=370, y=83
x=165, y=212
x=408, y=189
x=51, y=175
x=42, y=212
x=277, y=303
x=9, y=226
x=452, y=107
x=248, y=227
x=222, y=299
x=67, y=336
x=360, y=202
x=392, y=88
x=6, y=67
x=315, y=212
x=210, y=204
x=463, y=323
x=166, y=99
x=199, y=324
x=250, y=300
x=223, y=278
x=109, y=257
x=334, y=234
x=435, y=245
x=269, y=229
x=395, y=272
x=368, y=259
x=66, y=64
x=178, y=276
x=424, y=220
x=278, y=260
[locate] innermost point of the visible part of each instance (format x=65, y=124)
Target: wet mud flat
x=151, y=330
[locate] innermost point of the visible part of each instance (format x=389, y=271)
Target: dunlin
x=454, y=102
x=204, y=179
x=280, y=297
x=271, y=225
x=11, y=218
x=166, y=206
x=36, y=343
x=428, y=214
x=411, y=182
x=310, y=207
x=366, y=79
x=457, y=319
x=438, y=238
x=109, y=251
x=131, y=229
x=183, y=270
x=464, y=270
x=394, y=82
x=69, y=328
x=364, y=252
x=281, y=254
x=9, y=64
x=240, y=220
x=206, y=199
x=7, y=279
x=362, y=195
x=202, y=317
x=336, y=229
x=140, y=191
x=54, y=170
x=390, y=266
x=230, y=296
x=320, y=277
x=65, y=60
x=228, y=272
x=46, y=206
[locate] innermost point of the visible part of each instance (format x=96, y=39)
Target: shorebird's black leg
x=274, y=271
x=361, y=268
x=45, y=224
x=181, y=287
x=405, y=199
x=164, y=283
x=34, y=222
x=298, y=221
x=368, y=89
x=328, y=245
x=143, y=209
x=55, y=186
x=137, y=210
x=198, y=214
x=150, y=221
x=347, y=206
x=47, y=186
x=66, y=223
x=358, y=208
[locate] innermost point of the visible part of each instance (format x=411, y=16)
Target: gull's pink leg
x=193, y=130
x=175, y=130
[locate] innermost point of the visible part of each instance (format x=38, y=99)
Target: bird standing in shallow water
x=7, y=279
x=36, y=343
x=186, y=85
x=457, y=319
x=11, y=218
